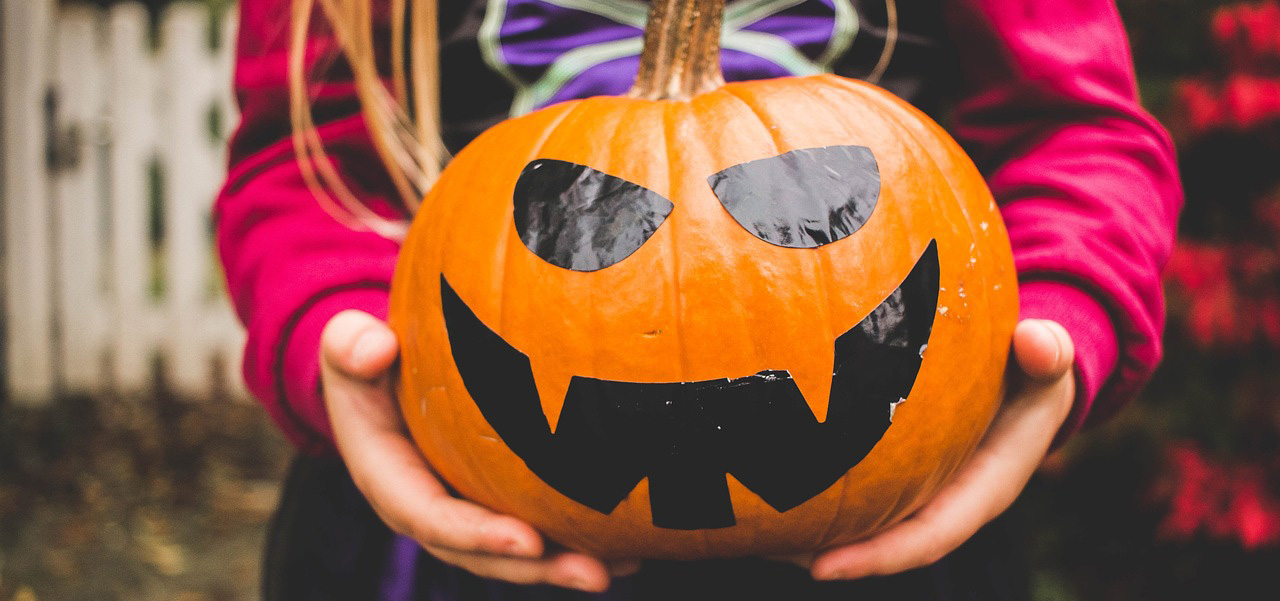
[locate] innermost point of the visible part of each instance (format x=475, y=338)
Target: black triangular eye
x=803, y=198
x=575, y=217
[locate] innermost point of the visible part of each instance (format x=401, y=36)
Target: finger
x=982, y=489
x=358, y=345
x=803, y=560
x=910, y=544
x=623, y=567
x=460, y=525
x=1043, y=349
x=389, y=470
x=567, y=569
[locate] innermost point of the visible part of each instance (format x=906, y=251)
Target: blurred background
x=133, y=465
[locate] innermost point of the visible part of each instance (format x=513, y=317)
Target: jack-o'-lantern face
x=709, y=327
x=685, y=436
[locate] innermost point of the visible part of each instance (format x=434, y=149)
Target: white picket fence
x=101, y=283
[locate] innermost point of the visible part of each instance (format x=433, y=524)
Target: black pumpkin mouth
x=686, y=436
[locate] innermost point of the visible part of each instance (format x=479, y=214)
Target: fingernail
x=1057, y=344
x=367, y=344
x=362, y=347
x=835, y=573
x=580, y=583
x=624, y=567
x=515, y=546
x=500, y=540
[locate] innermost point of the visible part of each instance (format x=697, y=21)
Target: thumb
x=358, y=345
x=1043, y=349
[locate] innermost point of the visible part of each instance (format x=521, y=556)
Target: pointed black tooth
x=496, y=375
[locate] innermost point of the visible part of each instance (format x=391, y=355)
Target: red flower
x=1195, y=494
x=1254, y=514
x=1230, y=294
x=1198, y=268
x=1248, y=34
x=1197, y=104
x=1241, y=101
x=1249, y=100
x=1201, y=271
x=1222, y=501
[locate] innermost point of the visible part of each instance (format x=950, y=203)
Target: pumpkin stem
x=681, y=55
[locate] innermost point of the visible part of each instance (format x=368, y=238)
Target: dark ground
x=135, y=499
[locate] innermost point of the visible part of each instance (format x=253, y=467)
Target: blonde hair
x=403, y=121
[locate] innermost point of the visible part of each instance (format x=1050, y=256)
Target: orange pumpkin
x=692, y=322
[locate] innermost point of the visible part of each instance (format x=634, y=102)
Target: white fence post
x=80, y=245
x=132, y=117
x=190, y=182
x=27, y=289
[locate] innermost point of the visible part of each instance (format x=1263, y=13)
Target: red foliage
x=1231, y=292
x=1248, y=37
x=1201, y=271
x=1248, y=34
x=1222, y=501
x=1239, y=101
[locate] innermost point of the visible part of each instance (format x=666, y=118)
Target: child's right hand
x=357, y=351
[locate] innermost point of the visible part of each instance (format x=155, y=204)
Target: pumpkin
x=705, y=319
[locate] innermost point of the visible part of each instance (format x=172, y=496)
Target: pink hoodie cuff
x=1092, y=333
x=299, y=375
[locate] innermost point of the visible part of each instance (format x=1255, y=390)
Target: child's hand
x=356, y=352
x=1039, y=398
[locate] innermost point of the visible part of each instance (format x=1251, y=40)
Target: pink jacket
x=1048, y=110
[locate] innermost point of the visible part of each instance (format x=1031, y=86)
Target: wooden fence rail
x=113, y=149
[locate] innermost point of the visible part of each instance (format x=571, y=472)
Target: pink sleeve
x=1085, y=178
x=289, y=265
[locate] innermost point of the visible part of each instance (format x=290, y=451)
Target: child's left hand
x=357, y=352
x=1040, y=396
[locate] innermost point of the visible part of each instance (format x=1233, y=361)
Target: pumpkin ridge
x=760, y=115
x=727, y=93
x=669, y=122
x=507, y=248
x=823, y=259
x=839, y=97
x=819, y=261
x=624, y=123
x=918, y=148
x=546, y=132
x=896, y=114
x=420, y=239
x=892, y=110
x=495, y=487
